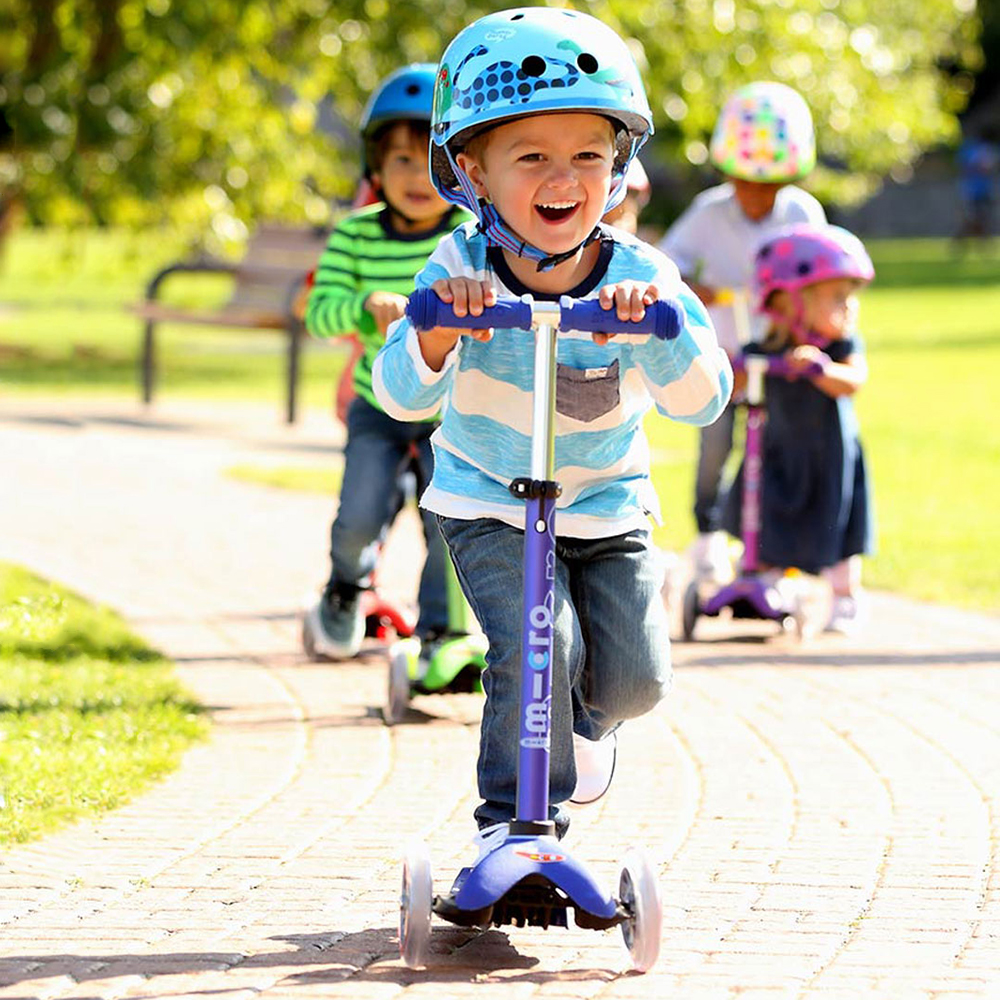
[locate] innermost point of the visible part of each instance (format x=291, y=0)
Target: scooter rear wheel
x=639, y=894
x=690, y=610
x=308, y=644
x=398, y=701
x=415, y=906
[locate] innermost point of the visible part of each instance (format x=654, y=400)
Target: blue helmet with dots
x=405, y=95
x=528, y=61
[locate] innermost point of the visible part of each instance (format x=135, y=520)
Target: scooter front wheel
x=415, y=904
x=639, y=894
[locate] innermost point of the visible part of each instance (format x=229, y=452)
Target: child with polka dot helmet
x=763, y=143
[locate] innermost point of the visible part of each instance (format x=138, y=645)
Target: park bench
x=266, y=282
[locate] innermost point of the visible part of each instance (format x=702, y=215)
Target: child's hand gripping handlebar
x=779, y=366
x=757, y=366
x=663, y=320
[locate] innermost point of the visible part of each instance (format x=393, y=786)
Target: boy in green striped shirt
x=361, y=285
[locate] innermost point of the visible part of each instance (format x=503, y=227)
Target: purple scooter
x=531, y=879
x=753, y=594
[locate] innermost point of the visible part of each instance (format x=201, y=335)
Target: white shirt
x=714, y=242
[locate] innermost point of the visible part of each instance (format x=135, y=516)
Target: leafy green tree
x=219, y=113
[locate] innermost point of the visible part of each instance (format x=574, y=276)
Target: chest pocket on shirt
x=586, y=393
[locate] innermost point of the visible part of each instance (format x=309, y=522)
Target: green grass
x=89, y=715
x=65, y=327
x=931, y=322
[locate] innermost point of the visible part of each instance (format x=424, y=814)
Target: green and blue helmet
x=532, y=61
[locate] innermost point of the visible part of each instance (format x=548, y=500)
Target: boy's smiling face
x=548, y=175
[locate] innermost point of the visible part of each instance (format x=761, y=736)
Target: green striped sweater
x=365, y=255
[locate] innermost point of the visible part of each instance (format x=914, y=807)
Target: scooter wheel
x=308, y=645
x=800, y=625
x=690, y=610
x=794, y=626
x=415, y=906
x=399, y=689
x=639, y=894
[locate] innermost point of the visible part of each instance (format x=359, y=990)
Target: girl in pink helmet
x=816, y=509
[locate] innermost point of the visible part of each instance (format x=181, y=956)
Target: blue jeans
x=715, y=444
x=611, y=647
x=380, y=450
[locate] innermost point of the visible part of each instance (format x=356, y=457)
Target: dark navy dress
x=816, y=507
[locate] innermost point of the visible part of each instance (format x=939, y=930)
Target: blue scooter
x=531, y=879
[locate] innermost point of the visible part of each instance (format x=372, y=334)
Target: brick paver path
x=825, y=818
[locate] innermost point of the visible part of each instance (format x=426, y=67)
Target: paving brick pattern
x=825, y=818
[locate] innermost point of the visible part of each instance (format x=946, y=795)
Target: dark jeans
x=611, y=647
x=379, y=452
x=715, y=444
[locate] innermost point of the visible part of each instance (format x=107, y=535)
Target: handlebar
x=741, y=304
x=663, y=320
x=777, y=366
x=727, y=296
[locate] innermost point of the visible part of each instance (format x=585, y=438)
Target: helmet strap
x=498, y=233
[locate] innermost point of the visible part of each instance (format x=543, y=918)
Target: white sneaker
x=710, y=558
x=595, y=767
x=847, y=616
x=489, y=838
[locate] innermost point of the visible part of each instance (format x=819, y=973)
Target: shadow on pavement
x=847, y=658
x=81, y=422
x=457, y=955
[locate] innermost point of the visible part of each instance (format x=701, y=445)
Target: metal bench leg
x=148, y=361
x=294, y=354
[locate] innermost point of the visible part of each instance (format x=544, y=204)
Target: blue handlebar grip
x=426, y=311
x=663, y=320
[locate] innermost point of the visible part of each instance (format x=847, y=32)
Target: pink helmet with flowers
x=765, y=134
x=805, y=254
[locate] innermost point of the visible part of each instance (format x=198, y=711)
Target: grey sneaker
x=334, y=627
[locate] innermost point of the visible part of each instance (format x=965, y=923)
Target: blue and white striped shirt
x=601, y=452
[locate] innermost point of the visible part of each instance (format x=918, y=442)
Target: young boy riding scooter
x=537, y=114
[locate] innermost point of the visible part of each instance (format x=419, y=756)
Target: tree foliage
x=136, y=111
